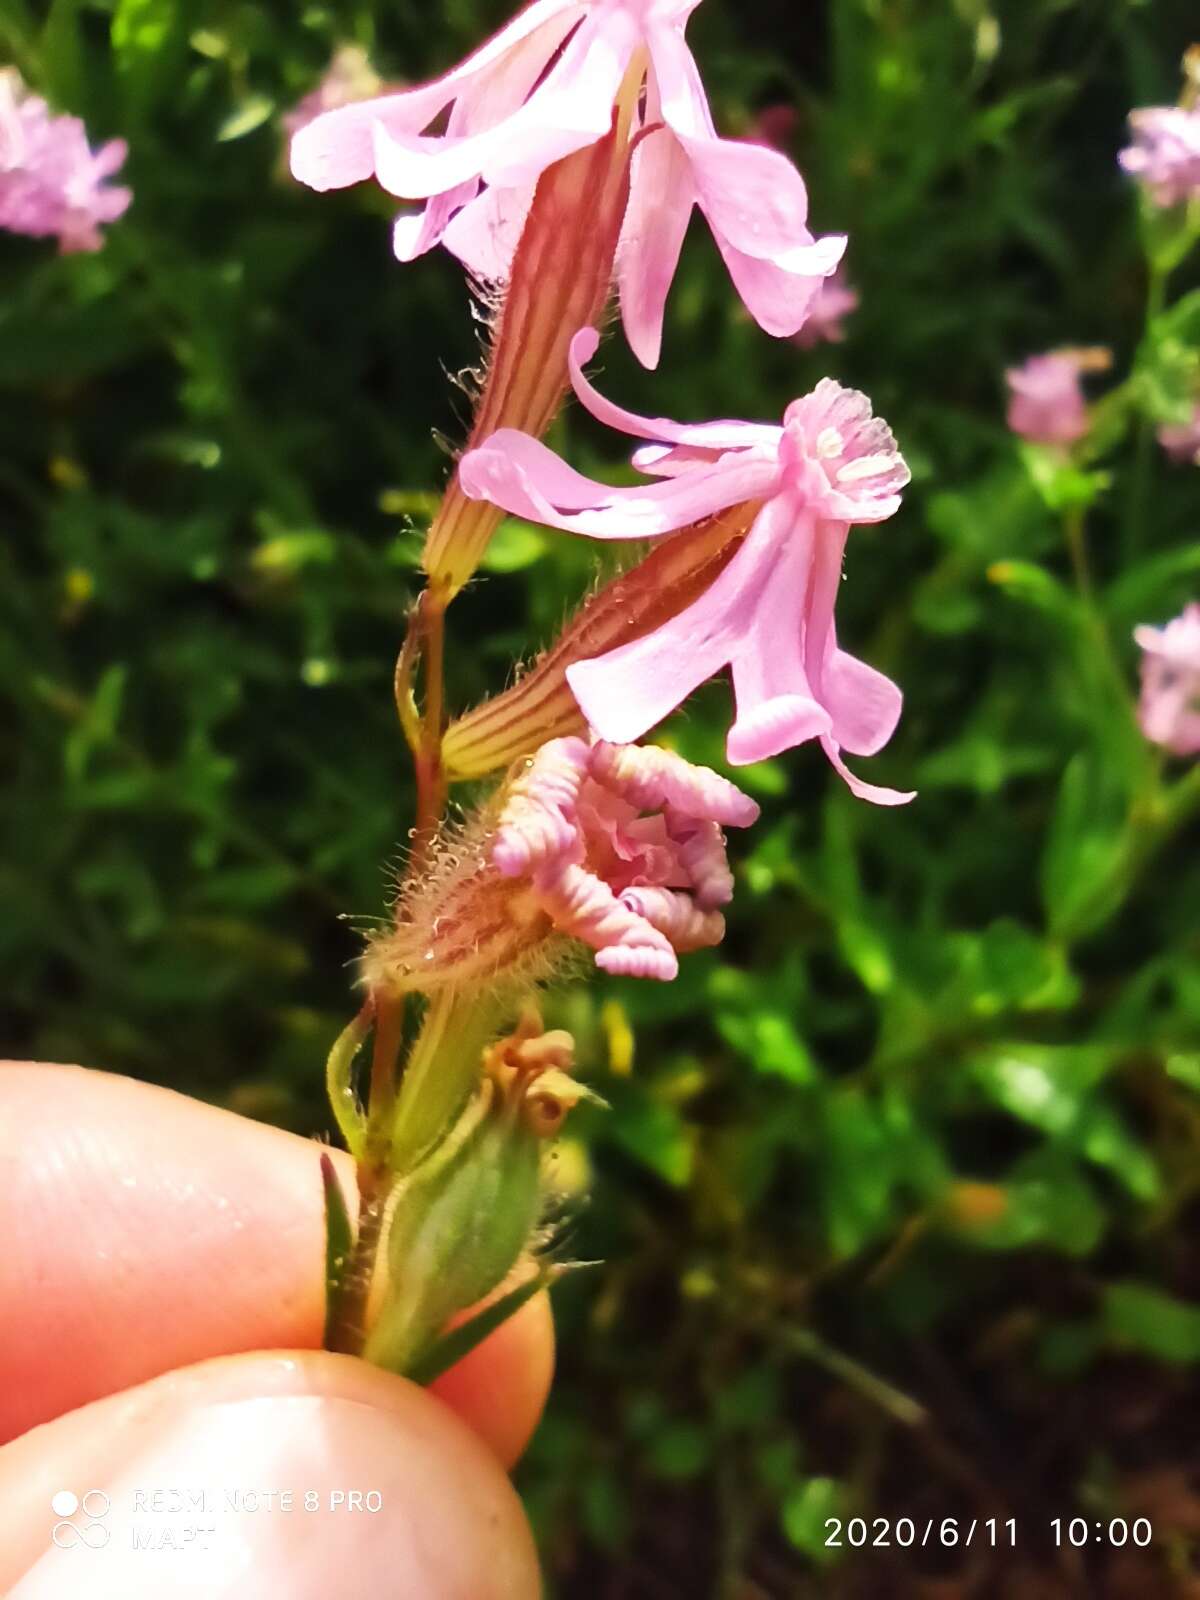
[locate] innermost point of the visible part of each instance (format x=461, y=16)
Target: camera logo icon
x=80, y=1523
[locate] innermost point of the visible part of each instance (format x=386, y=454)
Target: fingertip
x=501, y=1388
x=301, y=1474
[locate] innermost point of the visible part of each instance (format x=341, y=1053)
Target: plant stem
x=431, y=777
x=1143, y=458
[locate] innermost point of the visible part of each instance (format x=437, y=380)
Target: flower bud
x=463, y=1219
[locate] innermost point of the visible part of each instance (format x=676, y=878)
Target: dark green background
x=898, y=1204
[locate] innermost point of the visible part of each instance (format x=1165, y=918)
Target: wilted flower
x=545, y=86
x=639, y=889
x=51, y=181
x=349, y=78
x=834, y=300
x=769, y=612
x=1165, y=153
x=1046, y=403
x=1181, y=440
x=617, y=847
x=1169, y=709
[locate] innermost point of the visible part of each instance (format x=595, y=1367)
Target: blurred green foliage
x=898, y=1195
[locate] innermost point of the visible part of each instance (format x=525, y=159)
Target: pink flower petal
x=521, y=476
x=753, y=197
x=627, y=691
x=485, y=233
x=418, y=232
x=724, y=435
x=779, y=297
x=864, y=791
x=338, y=148
x=661, y=197
x=864, y=704
x=772, y=726
x=572, y=107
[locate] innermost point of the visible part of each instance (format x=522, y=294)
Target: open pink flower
x=1165, y=153
x=1181, y=440
x=834, y=301
x=545, y=86
x=1046, y=403
x=769, y=614
x=1169, y=709
x=51, y=181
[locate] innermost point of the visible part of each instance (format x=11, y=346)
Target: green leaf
x=680, y=1451
x=804, y=1515
x=657, y=1137
x=1086, y=864
x=515, y=545
x=1148, y=1319
x=248, y=117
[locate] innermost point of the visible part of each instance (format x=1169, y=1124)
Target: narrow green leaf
x=339, y=1242
x=446, y=1351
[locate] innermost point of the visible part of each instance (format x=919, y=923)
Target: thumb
x=294, y=1473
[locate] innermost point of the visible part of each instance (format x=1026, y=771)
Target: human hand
x=144, y=1232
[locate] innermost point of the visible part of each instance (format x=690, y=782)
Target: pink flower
x=348, y=79
x=769, y=613
x=1046, y=401
x=775, y=125
x=1169, y=709
x=1165, y=153
x=545, y=86
x=1181, y=440
x=623, y=850
x=834, y=300
x=51, y=181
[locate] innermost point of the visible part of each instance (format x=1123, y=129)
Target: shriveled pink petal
x=538, y=818
x=338, y=148
x=701, y=846
x=584, y=907
x=676, y=917
x=650, y=777
x=779, y=297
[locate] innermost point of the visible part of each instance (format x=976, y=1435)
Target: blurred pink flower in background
x=1169, y=709
x=349, y=78
x=1046, y=403
x=623, y=849
x=1181, y=440
x=1165, y=153
x=545, y=86
x=835, y=299
x=775, y=125
x=51, y=182
x=769, y=614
